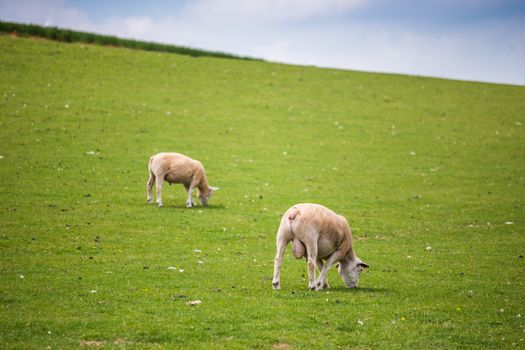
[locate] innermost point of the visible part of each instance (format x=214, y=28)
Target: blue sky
x=481, y=40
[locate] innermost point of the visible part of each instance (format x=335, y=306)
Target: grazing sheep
x=178, y=168
x=318, y=233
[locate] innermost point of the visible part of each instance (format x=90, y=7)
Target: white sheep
x=178, y=168
x=318, y=234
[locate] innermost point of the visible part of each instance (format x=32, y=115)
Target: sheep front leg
x=189, y=197
x=189, y=202
x=321, y=281
x=324, y=283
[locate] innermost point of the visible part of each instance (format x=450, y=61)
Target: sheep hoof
x=276, y=285
x=188, y=205
x=159, y=205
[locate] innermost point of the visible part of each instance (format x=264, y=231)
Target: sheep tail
x=293, y=213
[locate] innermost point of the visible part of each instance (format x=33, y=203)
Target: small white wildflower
x=200, y=262
x=359, y=322
x=197, y=251
x=22, y=276
x=429, y=248
x=409, y=257
x=93, y=291
x=509, y=222
x=194, y=302
x=412, y=153
x=1, y=157
x=172, y=268
x=285, y=153
x=66, y=106
x=501, y=310
x=181, y=270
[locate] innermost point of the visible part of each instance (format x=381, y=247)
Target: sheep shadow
x=183, y=207
x=358, y=290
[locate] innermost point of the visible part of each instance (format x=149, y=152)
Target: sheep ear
x=214, y=188
x=363, y=265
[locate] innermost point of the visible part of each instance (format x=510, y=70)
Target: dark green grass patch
x=73, y=36
x=429, y=173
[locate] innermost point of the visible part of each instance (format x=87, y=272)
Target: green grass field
x=429, y=173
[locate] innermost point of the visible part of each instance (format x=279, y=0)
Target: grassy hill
x=429, y=172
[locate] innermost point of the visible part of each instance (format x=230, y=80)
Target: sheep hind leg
x=311, y=252
x=160, y=182
x=282, y=240
x=281, y=247
x=151, y=181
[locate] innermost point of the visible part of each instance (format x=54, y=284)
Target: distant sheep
x=178, y=168
x=318, y=233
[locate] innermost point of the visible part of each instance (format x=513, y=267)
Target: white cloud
x=50, y=13
x=289, y=31
x=130, y=27
x=267, y=10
